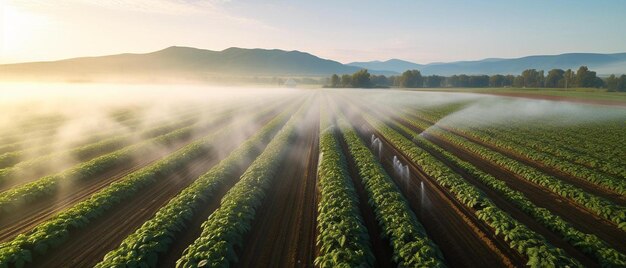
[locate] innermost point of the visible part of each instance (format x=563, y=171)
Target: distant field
x=574, y=94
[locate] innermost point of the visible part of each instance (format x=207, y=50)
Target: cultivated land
x=580, y=95
x=326, y=178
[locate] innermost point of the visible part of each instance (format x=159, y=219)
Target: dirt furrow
x=512, y=210
x=463, y=239
x=381, y=247
x=283, y=233
x=577, y=215
x=578, y=182
x=194, y=228
x=24, y=219
x=459, y=234
x=87, y=246
x=581, y=218
x=30, y=216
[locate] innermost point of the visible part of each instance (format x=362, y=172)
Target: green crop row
x=24, y=141
x=536, y=142
x=106, y=142
x=589, y=135
x=31, y=191
x=558, y=143
x=410, y=243
x=225, y=228
x=82, y=153
x=587, y=243
x=589, y=142
x=55, y=230
x=600, y=206
x=49, y=142
x=155, y=236
x=343, y=239
x=519, y=237
x=581, y=172
x=545, y=141
x=575, y=170
x=579, y=140
x=26, y=193
x=11, y=158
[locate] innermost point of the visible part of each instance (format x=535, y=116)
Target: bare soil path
x=283, y=233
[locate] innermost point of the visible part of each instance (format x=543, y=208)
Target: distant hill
x=176, y=63
x=183, y=62
x=601, y=63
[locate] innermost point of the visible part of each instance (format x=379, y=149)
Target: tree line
x=555, y=78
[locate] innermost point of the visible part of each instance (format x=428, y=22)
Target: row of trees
x=556, y=78
x=360, y=79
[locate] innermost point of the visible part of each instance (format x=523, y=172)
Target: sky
x=421, y=31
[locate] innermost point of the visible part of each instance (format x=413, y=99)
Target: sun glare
x=18, y=29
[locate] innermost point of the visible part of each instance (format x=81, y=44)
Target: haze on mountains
x=602, y=63
x=186, y=63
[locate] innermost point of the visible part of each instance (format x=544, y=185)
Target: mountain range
x=601, y=63
x=181, y=62
x=193, y=63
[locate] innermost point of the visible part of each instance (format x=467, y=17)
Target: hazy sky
x=346, y=30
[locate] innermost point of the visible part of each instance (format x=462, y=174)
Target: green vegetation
x=519, y=237
x=343, y=239
x=448, y=179
x=360, y=79
x=143, y=247
x=82, y=153
x=530, y=78
x=225, y=228
x=410, y=243
x=600, y=206
x=26, y=193
x=587, y=243
x=612, y=183
x=55, y=230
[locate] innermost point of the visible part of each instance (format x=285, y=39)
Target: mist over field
x=471, y=109
x=64, y=145
x=74, y=115
x=313, y=134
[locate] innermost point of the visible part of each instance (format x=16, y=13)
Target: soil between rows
x=88, y=245
x=283, y=233
x=463, y=240
x=53, y=167
x=578, y=216
x=381, y=246
x=26, y=218
x=29, y=216
x=512, y=210
x=578, y=182
x=194, y=228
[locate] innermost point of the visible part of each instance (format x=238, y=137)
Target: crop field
x=311, y=178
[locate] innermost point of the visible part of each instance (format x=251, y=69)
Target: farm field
x=581, y=95
x=310, y=178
